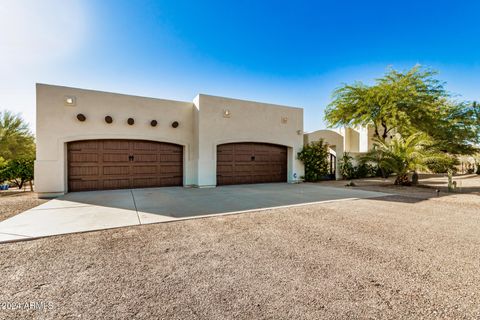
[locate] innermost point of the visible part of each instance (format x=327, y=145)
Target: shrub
x=315, y=158
x=19, y=171
x=347, y=170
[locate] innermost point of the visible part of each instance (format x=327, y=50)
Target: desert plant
x=403, y=155
x=315, y=158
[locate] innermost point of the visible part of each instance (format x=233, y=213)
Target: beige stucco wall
x=202, y=128
x=57, y=125
x=335, y=140
x=248, y=122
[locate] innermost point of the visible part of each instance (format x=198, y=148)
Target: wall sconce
x=299, y=132
x=108, y=119
x=226, y=113
x=175, y=124
x=81, y=117
x=284, y=120
x=153, y=123
x=130, y=121
x=70, y=101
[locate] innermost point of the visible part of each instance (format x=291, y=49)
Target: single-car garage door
x=119, y=164
x=239, y=163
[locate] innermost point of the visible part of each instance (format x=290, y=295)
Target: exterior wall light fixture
x=70, y=101
x=226, y=113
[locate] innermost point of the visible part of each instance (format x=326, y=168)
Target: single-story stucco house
x=92, y=140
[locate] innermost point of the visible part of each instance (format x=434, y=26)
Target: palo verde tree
x=16, y=140
x=405, y=103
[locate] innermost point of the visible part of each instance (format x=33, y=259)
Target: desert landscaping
x=413, y=254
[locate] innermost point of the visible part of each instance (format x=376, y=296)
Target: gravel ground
x=13, y=202
x=403, y=256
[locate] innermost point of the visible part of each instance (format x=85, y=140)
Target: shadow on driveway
x=96, y=210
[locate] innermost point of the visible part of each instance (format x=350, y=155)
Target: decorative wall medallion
x=108, y=119
x=81, y=117
x=130, y=121
x=175, y=124
x=153, y=123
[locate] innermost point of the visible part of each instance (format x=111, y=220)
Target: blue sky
x=285, y=52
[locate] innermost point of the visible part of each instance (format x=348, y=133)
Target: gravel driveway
x=402, y=256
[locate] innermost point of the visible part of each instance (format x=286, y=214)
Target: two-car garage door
x=119, y=164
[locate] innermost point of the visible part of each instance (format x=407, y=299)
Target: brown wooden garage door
x=239, y=163
x=118, y=164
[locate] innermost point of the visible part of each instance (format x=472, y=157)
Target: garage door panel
x=145, y=169
x=168, y=169
x=145, y=145
x=116, y=170
x=117, y=164
x=115, y=145
x=170, y=157
x=84, y=157
x=84, y=171
x=84, y=145
x=239, y=163
x=115, y=157
x=139, y=157
x=83, y=185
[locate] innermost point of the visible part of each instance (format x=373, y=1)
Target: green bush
x=347, y=170
x=315, y=158
x=18, y=171
x=363, y=170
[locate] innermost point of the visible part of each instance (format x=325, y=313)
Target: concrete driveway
x=96, y=210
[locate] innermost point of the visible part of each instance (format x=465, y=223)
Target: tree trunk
x=31, y=185
x=21, y=184
x=402, y=180
x=415, y=178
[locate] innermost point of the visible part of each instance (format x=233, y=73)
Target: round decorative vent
x=153, y=123
x=175, y=124
x=81, y=117
x=108, y=119
x=130, y=121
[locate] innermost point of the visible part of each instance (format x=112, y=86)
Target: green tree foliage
x=315, y=158
x=405, y=103
x=18, y=171
x=403, y=155
x=16, y=140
